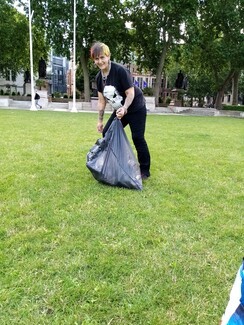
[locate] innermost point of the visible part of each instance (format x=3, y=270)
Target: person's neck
x=106, y=71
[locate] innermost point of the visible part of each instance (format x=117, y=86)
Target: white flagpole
x=33, y=106
x=74, y=109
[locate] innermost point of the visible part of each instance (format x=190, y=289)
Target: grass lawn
x=74, y=251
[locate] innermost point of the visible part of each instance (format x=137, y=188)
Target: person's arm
x=101, y=108
x=130, y=94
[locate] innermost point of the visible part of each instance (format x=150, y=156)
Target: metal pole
x=33, y=106
x=74, y=109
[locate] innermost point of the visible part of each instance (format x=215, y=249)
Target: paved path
x=193, y=111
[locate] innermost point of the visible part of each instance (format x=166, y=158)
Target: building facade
x=57, y=67
x=11, y=83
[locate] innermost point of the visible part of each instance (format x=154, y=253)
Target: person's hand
x=121, y=112
x=100, y=127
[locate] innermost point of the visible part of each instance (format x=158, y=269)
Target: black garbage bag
x=112, y=161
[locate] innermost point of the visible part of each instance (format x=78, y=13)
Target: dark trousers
x=137, y=123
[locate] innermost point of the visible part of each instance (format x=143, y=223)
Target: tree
x=235, y=81
x=241, y=87
x=215, y=42
x=96, y=20
x=14, y=39
x=158, y=28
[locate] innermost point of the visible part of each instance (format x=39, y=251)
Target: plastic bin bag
x=112, y=161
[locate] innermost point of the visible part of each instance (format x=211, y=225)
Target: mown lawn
x=74, y=251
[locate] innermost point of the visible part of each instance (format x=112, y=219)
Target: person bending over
x=115, y=85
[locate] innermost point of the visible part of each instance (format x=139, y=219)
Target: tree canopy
x=158, y=28
x=96, y=21
x=14, y=39
x=214, y=45
x=204, y=37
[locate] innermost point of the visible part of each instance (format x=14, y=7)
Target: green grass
x=74, y=251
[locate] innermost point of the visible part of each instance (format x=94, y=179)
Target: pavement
x=171, y=110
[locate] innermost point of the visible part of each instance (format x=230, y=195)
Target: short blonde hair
x=99, y=48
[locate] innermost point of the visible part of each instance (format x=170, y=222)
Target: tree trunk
x=221, y=90
x=159, y=74
x=235, y=81
x=84, y=65
x=219, y=99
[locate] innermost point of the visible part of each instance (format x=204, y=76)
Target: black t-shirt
x=121, y=79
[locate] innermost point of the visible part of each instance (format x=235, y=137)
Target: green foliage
x=241, y=83
x=157, y=31
x=57, y=94
x=239, y=108
x=97, y=21
x=147, y=91
x=157, y=25
x=14, y=34
x=200, y=85
x=168, y=100
x=214, y=46
x=77, y=95
x=204, y=38
x=40, y=83
x=73, y=251
x=93, y=23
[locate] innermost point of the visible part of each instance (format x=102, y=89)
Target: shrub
x=13, y=93
x=40, y=84
x=77, y=96
x=167, y=100
x=57, y=94
x=239, y=108
x=147, y=91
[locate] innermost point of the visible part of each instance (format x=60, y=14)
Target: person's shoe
x=144, y=177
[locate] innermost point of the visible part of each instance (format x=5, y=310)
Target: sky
x=19, y=7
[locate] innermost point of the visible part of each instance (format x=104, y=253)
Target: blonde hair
x=99, y=48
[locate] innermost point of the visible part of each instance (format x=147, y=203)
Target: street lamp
x=74, y=109
x=33, y=106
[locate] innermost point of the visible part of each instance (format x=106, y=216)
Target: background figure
x=37, y=97
x=42, y=68
x=179, y=80
x=27, y=76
